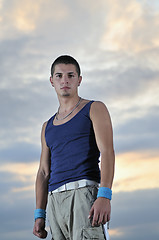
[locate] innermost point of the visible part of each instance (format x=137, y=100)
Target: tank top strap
x=86, y=108
x=49, y=123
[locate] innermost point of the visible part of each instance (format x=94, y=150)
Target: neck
x=67, y=103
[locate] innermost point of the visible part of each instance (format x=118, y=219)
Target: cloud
x=133, y=35
x=23, y=112
x=120, y=84
x=118, y=49
x=25, y=18
x=20, y=152
x=21, y=169
x=18, y=178
x=17, y=219
x=132, y=214
x=17, y=184
x=138, y=132
x=133, y=170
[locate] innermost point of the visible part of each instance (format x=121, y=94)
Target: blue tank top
x=74, y=152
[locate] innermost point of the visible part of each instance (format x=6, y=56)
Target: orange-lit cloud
x=19, y=168
x=129, y=30
x=22, y=16
x=27, y=17
x=135, y=171
x=115, y=232
x=23, y=189
x=23, y=173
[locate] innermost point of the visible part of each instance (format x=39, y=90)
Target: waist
x=75, y=185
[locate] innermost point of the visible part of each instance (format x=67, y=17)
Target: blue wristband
x=104, y=192
x=39, y=213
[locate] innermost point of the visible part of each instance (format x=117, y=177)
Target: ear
x=51, y=80
x=79, y=80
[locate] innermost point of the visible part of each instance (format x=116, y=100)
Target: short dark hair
x=65, y=59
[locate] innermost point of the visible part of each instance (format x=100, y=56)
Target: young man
x=68, y=176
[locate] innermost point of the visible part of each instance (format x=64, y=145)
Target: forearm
x=41, y=190
x=107, y=168
x=41, y=202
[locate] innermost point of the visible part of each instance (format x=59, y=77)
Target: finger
x=95, y=220
x=40, y=234
x=34, y=232
x=91, y=213
x=37, y=234
x=43, y=234
x=101, y=219
x=105, y=218
x=108, y=217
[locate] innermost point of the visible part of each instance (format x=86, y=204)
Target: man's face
x=65, y=80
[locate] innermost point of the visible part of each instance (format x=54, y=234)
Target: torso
x=74, y=152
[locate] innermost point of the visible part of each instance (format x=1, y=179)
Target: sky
x=116, y=43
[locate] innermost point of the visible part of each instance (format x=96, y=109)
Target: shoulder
x=99, y=114
x=98, y=104
x=98, y=108
x=94, y=104
x=43, y=140
x=100, y=118
x=44, y=127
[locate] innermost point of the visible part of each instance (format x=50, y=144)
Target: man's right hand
x=39, y=228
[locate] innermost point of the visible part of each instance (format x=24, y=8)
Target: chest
x=78, y=127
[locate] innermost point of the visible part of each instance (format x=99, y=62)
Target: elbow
x=44, y=174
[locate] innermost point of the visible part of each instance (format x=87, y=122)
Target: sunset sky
x=116, y=43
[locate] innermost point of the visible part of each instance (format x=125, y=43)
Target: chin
x=65, y=94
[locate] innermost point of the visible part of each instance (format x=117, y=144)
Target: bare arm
x=43, y=173
x=104, y=137
x=42, y=185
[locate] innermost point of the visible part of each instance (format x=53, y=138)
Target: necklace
x=69, y=112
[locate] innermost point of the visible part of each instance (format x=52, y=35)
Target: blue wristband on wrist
x=104, y=192
x=39, y=213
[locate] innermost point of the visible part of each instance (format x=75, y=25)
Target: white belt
x=75, y=185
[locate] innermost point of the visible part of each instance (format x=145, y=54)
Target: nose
x=65, y=80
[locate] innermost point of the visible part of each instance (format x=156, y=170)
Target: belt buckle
x=65, y=187
x=76, y=185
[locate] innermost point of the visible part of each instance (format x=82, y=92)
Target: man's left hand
x=100, y=211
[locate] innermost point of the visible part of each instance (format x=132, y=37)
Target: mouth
x=65, y=88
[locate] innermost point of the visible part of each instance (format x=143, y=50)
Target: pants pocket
x=91, y=194
x=93, y=233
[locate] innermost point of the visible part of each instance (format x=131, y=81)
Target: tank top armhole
x=49, y=123
x=90, y=104
x=45, y=132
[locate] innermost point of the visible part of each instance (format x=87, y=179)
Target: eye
x=70, y=75
x=59, y=75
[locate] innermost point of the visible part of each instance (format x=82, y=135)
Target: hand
x=39, y=228
x=100, y=211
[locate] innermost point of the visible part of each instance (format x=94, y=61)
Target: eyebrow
x=57, y=73
x=67, y=73
x=70, y=72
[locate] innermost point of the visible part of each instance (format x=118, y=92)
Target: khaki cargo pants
x=68, y=215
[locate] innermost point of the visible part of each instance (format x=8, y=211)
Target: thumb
x=38, y=228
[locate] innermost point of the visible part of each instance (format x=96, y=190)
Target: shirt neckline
x=70, y=119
